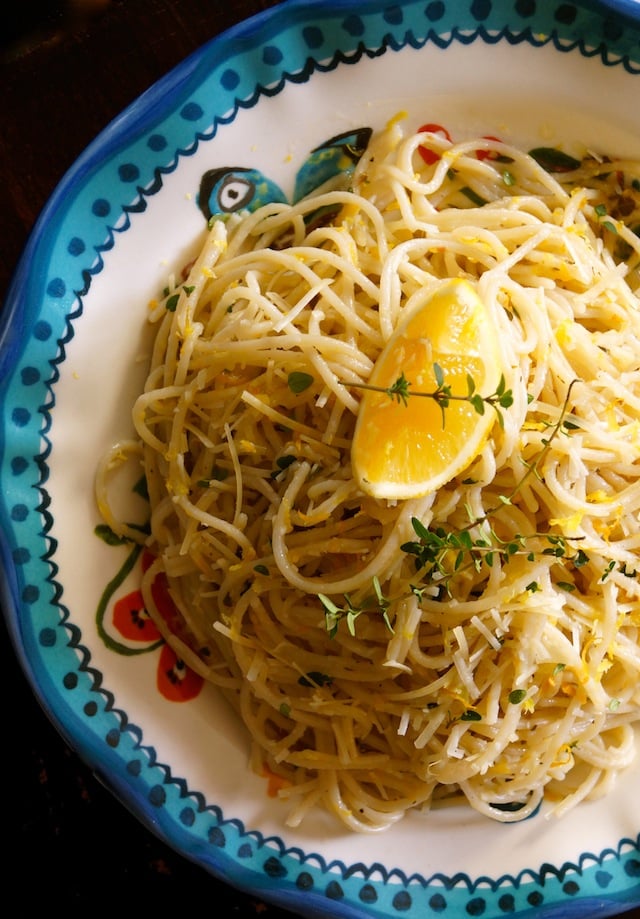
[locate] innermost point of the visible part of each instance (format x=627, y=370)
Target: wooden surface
x=67, y=69
x=67, y=74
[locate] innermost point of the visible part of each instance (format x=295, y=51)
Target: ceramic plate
x=262, y=97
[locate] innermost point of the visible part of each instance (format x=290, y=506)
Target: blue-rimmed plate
x=72, y=346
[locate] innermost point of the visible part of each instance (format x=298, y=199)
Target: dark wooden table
x=67, y=69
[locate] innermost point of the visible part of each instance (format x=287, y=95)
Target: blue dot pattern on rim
x=195, y=107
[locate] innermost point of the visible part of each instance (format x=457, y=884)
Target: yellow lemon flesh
x=402, y=451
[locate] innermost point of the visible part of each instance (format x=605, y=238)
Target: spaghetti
x=479, y=644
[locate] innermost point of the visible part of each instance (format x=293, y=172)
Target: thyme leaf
x=298, y=381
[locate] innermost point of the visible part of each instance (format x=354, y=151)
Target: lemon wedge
x=400, y=450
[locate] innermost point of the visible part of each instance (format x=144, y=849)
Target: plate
x=72, y=345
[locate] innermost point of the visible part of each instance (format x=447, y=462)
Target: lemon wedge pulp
x=402, y=451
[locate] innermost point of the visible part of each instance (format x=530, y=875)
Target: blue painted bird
x=337, y=156
x=228, y=189
x=234, y=188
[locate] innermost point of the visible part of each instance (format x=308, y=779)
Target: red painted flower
x=488, y=154
x=175, y=681
x=130, y=619
x=130, y=616
x=430, y=156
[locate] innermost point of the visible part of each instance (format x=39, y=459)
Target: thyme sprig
x=440, y=554
x=334, y=614
x=435, y=548
x=401, y=391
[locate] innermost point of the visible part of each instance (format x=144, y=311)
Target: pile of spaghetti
x=478, y=644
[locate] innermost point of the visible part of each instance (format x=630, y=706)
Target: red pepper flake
x=275, y=782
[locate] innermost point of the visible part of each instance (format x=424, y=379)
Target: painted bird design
x=227, y=189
